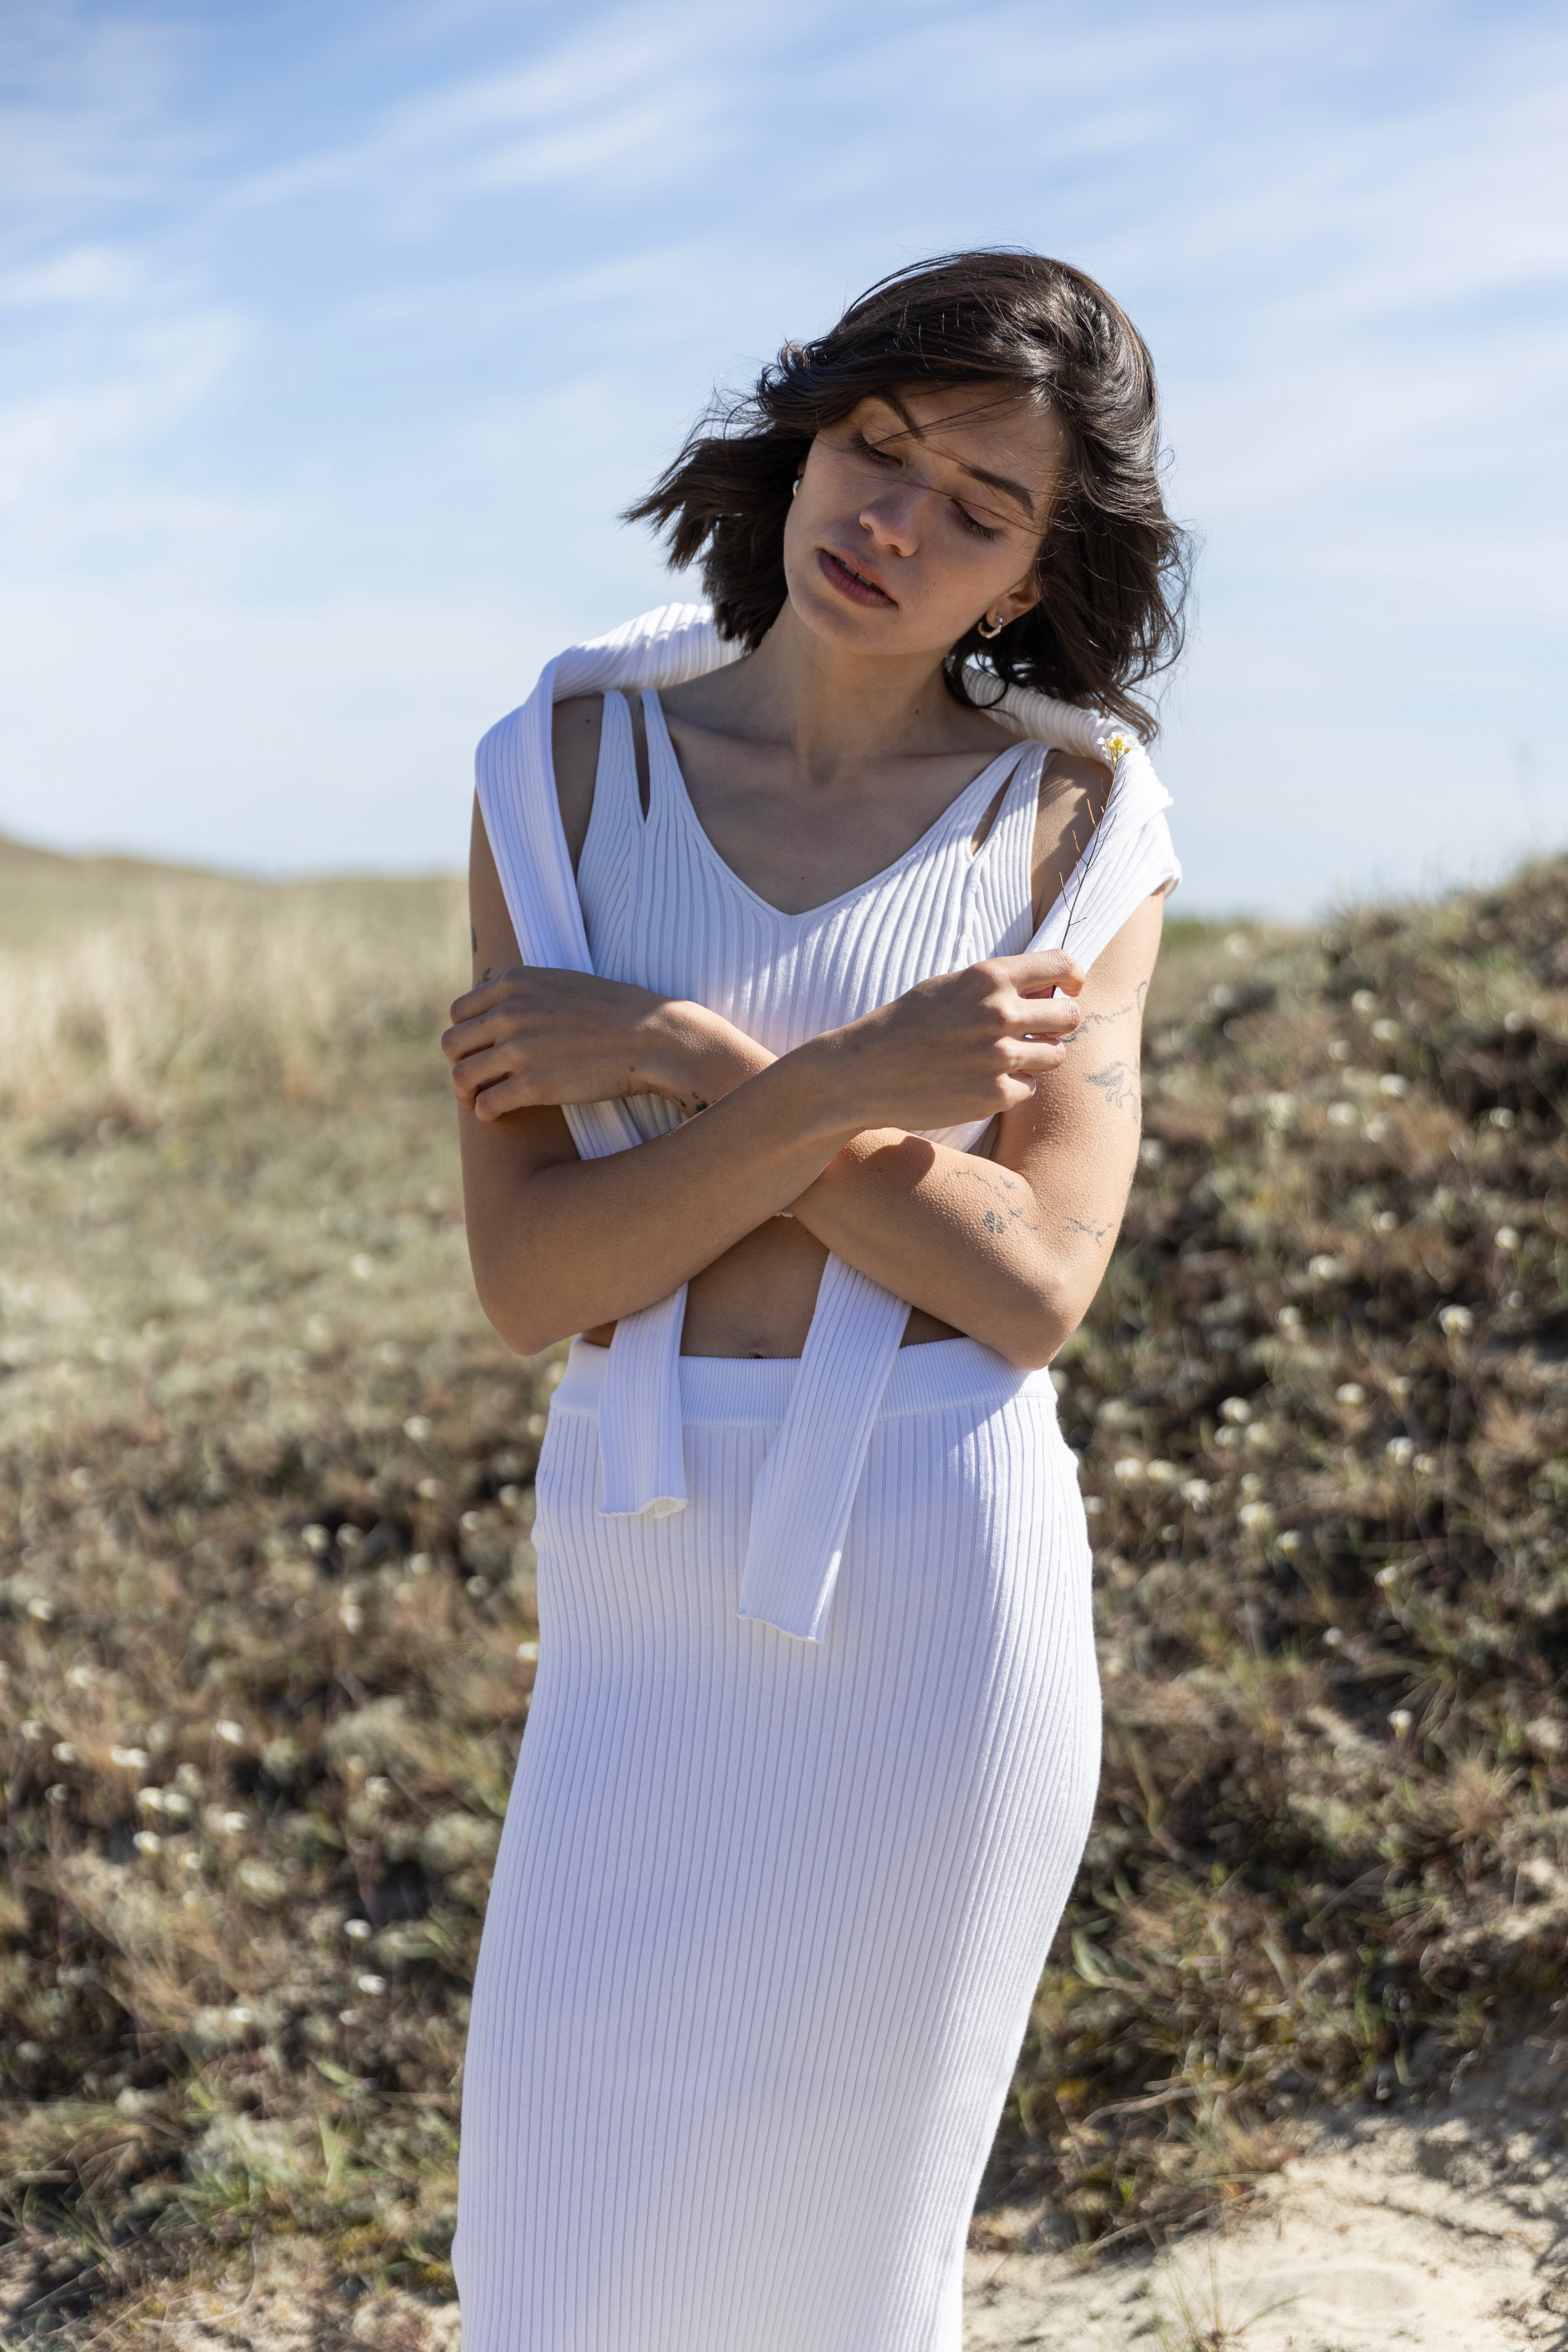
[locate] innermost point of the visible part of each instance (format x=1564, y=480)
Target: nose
x=892, y=516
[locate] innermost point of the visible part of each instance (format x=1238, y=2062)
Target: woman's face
x=920, y=514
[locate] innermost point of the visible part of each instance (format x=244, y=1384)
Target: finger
x=1037, y=975
x=476, y=1071
x=508, y=1094
x=475, y=1001
x=1042, y=1016
x=472, y=1036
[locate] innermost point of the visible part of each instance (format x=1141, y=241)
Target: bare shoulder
x=574, y=747
x=1074, y=790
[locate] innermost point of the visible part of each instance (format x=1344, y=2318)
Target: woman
x=800, y=1078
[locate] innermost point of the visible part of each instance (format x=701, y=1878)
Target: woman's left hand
x=537, y=1035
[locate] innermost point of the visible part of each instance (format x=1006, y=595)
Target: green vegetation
x=266, y=1596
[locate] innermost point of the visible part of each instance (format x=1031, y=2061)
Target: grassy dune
x=266, y=1583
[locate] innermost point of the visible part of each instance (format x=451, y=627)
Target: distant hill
x=46, y=895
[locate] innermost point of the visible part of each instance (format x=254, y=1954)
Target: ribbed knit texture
x=768, y=1915
x=907, y=922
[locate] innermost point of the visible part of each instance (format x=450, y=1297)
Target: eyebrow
x=1016, y=490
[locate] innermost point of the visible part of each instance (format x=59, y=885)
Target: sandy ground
x=1443, y=2226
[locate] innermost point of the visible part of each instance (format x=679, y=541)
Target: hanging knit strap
x=806, y=1491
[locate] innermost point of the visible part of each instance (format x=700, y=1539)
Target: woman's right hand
x=964, y=1045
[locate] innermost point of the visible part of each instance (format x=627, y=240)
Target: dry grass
x=265, y=1500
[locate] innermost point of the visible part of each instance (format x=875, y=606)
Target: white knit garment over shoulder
x=813, y=1746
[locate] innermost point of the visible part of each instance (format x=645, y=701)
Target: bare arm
x=559, y=1245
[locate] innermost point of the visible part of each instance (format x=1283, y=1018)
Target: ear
x=1021, y=598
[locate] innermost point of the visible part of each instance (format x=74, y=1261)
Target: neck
x=834, y=706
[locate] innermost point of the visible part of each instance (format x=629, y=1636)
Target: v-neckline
x=1013, y=752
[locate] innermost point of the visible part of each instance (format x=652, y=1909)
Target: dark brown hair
x=1112, y=566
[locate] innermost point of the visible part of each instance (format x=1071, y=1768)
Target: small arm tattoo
x=1118, y=1082
x=1134, y=1004
x=1004, y=1213
x=1091, y=1232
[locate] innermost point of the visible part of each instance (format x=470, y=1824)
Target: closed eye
x=883, y=456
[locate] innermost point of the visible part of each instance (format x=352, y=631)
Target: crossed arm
x=1009, y=1249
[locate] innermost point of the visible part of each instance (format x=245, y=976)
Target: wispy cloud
x=339, y=338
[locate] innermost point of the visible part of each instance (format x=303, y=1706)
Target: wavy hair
x=1114, y=567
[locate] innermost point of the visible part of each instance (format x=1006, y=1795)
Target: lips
x=858, y=586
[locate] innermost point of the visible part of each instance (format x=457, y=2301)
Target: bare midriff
x=757, y=1300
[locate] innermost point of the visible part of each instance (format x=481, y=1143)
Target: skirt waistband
x=752, y=1390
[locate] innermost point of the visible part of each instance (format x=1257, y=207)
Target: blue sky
x=332, y=339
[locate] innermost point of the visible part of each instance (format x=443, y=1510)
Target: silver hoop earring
x=988, y=627
x=794, y=487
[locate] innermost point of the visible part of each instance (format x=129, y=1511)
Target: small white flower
x=1350, y=1392
x=44, y=1611
x=1387, y=1575
x=1399, y=1720
x=1235, y=1409
x=64, y=1752
x=57, y=1793
x=1324, y=1268
x=471, y=1522
x=1455, y=1321
x=239, y=2017
x=316, y=1537
x=1343, y=1113
x=1290, y=1540
x=1152, y=1151
x=1502, y=1117
x=1289, y=1319
x=1505, y=1237
x=1338, y=1049
x=1400, y=1449
x=417, y=1426
x=1333, y=1639
x=1425, y=1464
x=510, y=1496
x=476, y=1586
x=361, y=1267
x=528, y=1652
x=1388, y=1031
x=358, y=1931
x=1375, y=1128
x=232, y=1824
x=1391, y=1083
x=1254, y=1516
x=1129, y=1470
x=147, y=1841
x=429, y=1489
x=1227, y=1437
x=226, y=1729
x=370, y=1983
x=1364, y=1001
x=348, y=2017
x=420, y=1564
x=349, y=1538
x=534, y=1424
x=1281, y=1108
x=149, y=1800
x=351, y=1617
x=377, y=1788
x=32, y=1729
x=1091, y=1503
x=1196, y=1493
x=129, y=1759
x=1385, y=1222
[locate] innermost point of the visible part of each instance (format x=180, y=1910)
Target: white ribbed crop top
x=663, y=910
x=661, y=907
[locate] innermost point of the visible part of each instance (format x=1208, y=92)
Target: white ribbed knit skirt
x=768, y=1915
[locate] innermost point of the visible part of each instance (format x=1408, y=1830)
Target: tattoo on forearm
x=1004, y=1211
x=1095, y=1233
x=1134, y=1004
x=1118, y=1082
